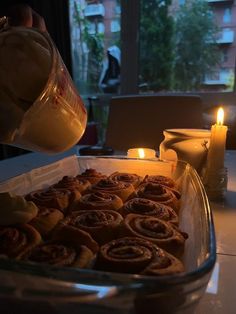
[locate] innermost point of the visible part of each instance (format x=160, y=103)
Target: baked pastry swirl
x=74, y=184
x=126, y=255
x=163, y=180
x=46, y=220
x=132, y=178
x=147, y=207
x=60, y=198
x=99, y=200
x=61, y=254
x=92, y=175
x=17, y=240
x=121, y=189
x=155, y=230
x=136, y=255
x=68, y=234
x=158, y=193
x=102, y=225
x=163, y=265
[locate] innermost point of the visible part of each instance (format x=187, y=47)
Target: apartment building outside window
x=101, y=20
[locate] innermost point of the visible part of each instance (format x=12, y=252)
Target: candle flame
x=141, y=153
x=220, y=116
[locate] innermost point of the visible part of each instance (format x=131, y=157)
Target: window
x=164, y=47
x=115, y=26
x=227, y=16
x=101, y=28
x=95, y=46
x=176, y=49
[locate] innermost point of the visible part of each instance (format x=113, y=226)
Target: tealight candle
x=217, y=143
x=142, y=153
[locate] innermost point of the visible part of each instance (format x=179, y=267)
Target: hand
x=24, y=15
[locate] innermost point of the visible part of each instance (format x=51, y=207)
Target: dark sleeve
x=56, y=16
x=5, y=4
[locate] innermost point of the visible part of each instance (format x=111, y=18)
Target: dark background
x=56, y=16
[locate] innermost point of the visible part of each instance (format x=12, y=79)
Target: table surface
x=220, y=297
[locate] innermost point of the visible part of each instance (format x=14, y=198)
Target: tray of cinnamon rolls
x=131, y=234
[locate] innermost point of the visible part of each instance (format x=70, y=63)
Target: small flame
x=141, y=153
x=220, y=116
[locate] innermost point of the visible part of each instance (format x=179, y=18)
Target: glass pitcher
x=40, y=108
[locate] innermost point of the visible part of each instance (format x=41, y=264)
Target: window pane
x=96, y=60
x=227, y=15
x=95, y=38
x=185, y=46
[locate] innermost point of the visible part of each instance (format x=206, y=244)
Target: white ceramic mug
x=190, y=145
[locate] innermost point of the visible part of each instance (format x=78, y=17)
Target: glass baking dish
x=28, y=287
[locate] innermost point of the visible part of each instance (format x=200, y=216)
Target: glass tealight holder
x=141, y=153
x=215, y=183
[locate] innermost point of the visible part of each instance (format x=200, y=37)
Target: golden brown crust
x=92, y=175
x=142, y=206
x=98, y=201
x=46, y=220
x=164, y=265
x=121, y=189
x=131, y=178
x=73, y=184
x=126, y=255
x=51, y=198
x=17, y=240
x=136, y=255
x=158, y=193
x=155, y=230
x=73, y=236
x=61, y=254
x=102, y=225
x=163, y=180
x=134, y=243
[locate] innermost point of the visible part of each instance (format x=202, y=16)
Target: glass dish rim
x=124, y=280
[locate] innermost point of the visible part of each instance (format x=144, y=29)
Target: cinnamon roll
x=121, y=189
x=126, y=255
x=74, y=184
x=131, y=178
x=60, y=254
x=102, y=225
x=17, y=240
x=136, y=255
x=158, y=193
x=99, y=200
x=155, y=230
x=92, y=175
x=46, y=220
x=69, y=234
x=53, y=198
x=147, y=207
x=163, y=180
x=164, y=264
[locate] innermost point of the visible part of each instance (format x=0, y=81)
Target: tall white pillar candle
x=215, y=159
